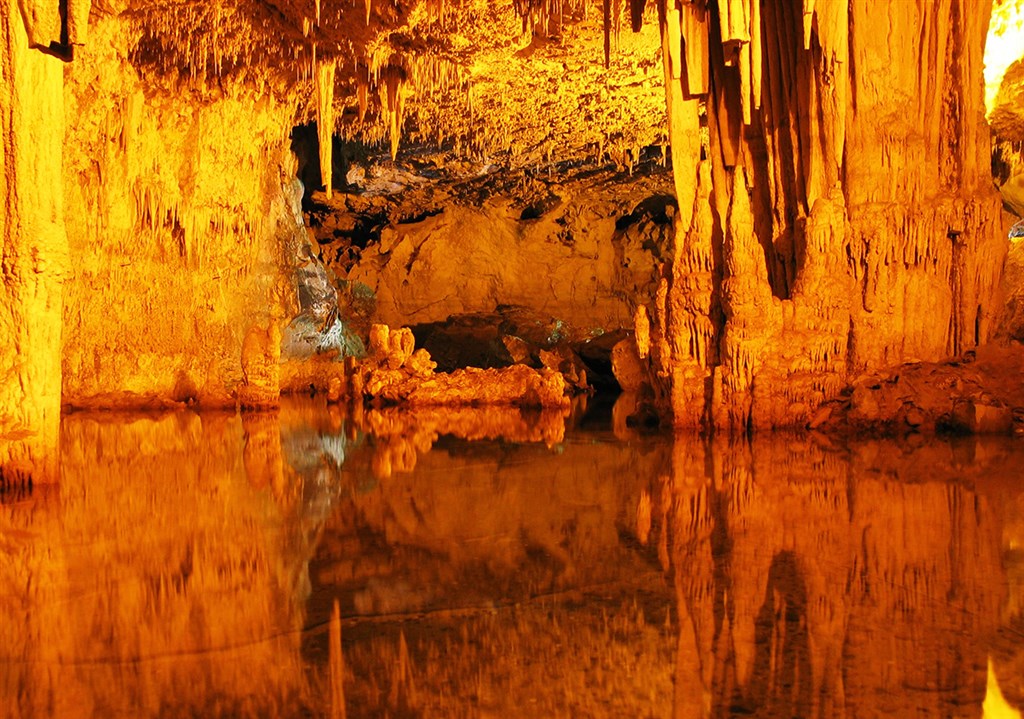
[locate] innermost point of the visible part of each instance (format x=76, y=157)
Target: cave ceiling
x=499, y=81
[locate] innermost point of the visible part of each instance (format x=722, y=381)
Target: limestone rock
x=448, y=252
x=516, y=385
x=420, y=364
x=974, y=393
x=980, y=417
x=396, y=372
x=790, y=307
x=563, y=360
x=626, y=365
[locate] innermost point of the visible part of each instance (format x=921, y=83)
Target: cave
x=512, y=357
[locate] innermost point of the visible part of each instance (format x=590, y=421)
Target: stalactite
x=394, y=78
x=780, y=81
x=362, y=95
x=325, y=118
x=636, y=14
x=693, y=26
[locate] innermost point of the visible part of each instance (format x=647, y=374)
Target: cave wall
x=845, y=218
x=580, y=254
x=178, y=233
x=150, y=225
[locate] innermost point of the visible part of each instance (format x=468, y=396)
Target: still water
x=495, y=564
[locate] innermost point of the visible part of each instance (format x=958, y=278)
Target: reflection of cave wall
x=815, y=584
x=162, y=578
x=463, y=524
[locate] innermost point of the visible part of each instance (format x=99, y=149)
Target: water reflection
x=159, y=578
x=491, y=563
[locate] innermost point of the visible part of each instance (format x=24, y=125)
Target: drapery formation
x=837, y=214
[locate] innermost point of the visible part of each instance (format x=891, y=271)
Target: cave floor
x=496, y=563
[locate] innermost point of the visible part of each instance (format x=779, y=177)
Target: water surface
x=487, y=563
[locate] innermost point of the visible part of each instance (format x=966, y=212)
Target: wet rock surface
x=980, y=392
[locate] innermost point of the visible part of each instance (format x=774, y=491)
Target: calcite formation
x=397, y=372
x=834, y=213
x=847, y=219
x=579, y=247
x=1004, y=99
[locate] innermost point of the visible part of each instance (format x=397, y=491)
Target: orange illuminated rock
x=856, y=234
x=516, y=385
x=396, y=372
x=33, y=239
x=834, y=206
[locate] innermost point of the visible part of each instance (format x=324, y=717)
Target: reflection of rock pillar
x=691, y=698
x=262, y=454
x=691, y=524
x=34, y=246
x=828, y=535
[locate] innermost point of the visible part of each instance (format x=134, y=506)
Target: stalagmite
x=325, y=119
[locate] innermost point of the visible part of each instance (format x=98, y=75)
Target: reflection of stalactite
x=797, y=572
x=172, y=595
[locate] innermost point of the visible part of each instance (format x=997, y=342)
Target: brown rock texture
x=978, y=392
x=579, y=246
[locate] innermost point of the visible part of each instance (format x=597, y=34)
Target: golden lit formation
x=426, y=358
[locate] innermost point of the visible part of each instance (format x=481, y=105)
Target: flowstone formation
x=844, y=218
